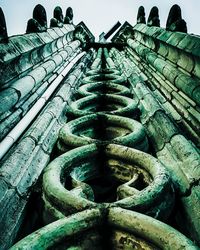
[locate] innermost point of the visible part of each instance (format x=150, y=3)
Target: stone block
x=170, y=72
x=64, y=54
x=186, y=62
x=57, y=59
x=191, y=44
x=194, y=113
x=196, y=94
x=187, y=85
x=49, y=66
x=24, y=63
x=51, y=137
x=164, y=36
x=149, y=42
x=162, y=49
x=150, y=57
x=166, y=92
x=159, y=96
x=139, y=26
x=180, y=99
x=36, y=56
x=161, y=129
x=188, y=155
x=59, y=43
x=149, y=107
x=58, y=31
x=64, y=92
x=8, y=51
x=170, y=160
x=190, y=212
x=39, y=91
x=189, y=100
x=171, y=111
x=46, y=50
x=9, y=123
x=176, y=38
x=8, y=98
x=180, y=108
x=13, y=215
x=7, y=73
x=51, y=78
x=12, y=169
x=45, y=37
x=38, y=74
x=153, y=31
x=38, y=161
x=54, y=46
x=22, y=43
x=196, y=70
x=52, y=33
x=35, y=39
x=39, y=127
x=173, y=54
x=25, y=106
x=159, y=64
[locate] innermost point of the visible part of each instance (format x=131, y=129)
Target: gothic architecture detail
x=39, y=21
x=3, y=28
x=175, y=21
x=153, y=19
x=141, y=15
x=100, y=140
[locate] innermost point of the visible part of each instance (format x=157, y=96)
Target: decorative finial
x=39, y=21
x=69, y=16
x=57, y=20
x=175, y=21
x=39, y=14
x=3, y=29
x=141, y=15
x=153, y=19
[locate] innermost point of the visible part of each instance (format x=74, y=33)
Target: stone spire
x=69, y=16
x=153, y=19
x=141, y=15
x=3, y=29
x=57, y=20
x=175, y=21
x=39, y=21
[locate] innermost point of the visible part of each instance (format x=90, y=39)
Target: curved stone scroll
x=141, y=15
x=3, y=29
x=81, y=34
x=153, y=196
x=129, y=229
x=175, y=21
x=57, y=20
x=69, y=16
x=153, y=19
x=39, y=21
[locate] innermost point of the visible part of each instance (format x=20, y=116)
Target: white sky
x=99, y=15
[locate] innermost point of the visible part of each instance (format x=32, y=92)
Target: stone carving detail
x=141, y=15
x=153, y=19
x=69, y=16
x=3, y=29
x=57, y=20
x=175, y=21
x=82, y=36
x=118, y=134
x=39, y=21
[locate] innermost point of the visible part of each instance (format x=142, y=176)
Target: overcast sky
x=99, y=15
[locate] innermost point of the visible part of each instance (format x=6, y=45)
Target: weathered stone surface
x=188, y=155
x=190, y=210
x=7, y=124
x=12, y=219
